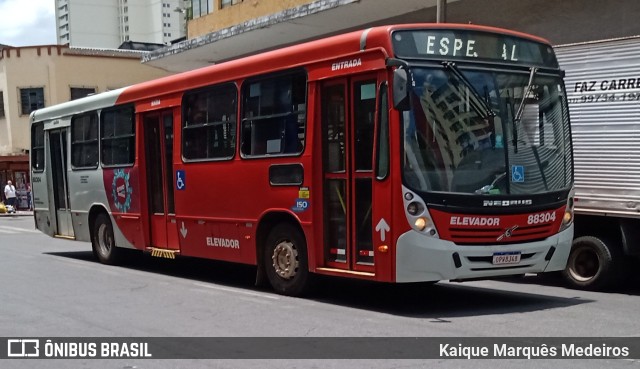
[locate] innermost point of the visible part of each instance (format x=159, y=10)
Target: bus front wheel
x=103, y=243
x=285, y=260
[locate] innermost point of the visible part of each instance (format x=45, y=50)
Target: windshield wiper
x=532, y=74
x=518, y=116
x=484, y=109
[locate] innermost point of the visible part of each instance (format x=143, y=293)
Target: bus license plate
x=506, y=258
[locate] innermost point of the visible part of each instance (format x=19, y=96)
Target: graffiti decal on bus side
x=121, y=190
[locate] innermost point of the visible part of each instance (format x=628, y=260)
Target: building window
x=274, y=115
x=117, y=136
x=84, y=141
x=200, y=8
x=209, y=126
x=227, y=3
x=37, y=147
x=80, y=92
x=1, y=104
x=31, y=99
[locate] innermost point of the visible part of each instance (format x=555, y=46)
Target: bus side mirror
x=401, y=89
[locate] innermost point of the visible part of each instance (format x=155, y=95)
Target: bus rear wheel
x=285, y=260
x=591, y=264
x=102, y=241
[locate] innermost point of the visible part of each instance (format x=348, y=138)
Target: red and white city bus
x=401, y=153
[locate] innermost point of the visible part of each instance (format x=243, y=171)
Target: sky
x=27, y=22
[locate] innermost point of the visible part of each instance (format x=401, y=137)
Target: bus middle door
x=158, y=146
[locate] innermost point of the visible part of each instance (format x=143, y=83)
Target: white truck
x=603, y=88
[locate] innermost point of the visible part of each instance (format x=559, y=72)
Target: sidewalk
x=19, y=213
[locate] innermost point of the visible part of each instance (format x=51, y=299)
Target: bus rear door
x=60, y=181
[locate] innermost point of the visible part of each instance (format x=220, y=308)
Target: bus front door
x=60, y=183
x=158, y=143
x=348, y=115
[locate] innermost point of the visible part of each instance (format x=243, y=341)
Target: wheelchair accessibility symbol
x=181, y=183
x=517, y=173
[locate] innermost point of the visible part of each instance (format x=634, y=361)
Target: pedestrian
x=10, y=194
x=29, y=204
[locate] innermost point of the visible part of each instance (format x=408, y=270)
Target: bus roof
x=84, y=104
x=271, y=61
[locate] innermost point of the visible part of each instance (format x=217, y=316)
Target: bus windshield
x=486, y=132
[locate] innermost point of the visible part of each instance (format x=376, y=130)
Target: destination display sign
x=472, y=46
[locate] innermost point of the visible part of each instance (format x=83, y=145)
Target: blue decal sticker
x=121, y=190
x=517, y=173
x=301, y=205
x=181, y=180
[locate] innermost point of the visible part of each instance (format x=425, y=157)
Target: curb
x=17, y=214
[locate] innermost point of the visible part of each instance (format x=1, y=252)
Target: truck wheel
x=591, y=264
x=285, y=260
x=103, y=243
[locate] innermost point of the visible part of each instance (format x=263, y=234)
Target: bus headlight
x=567, y=219
x=417, y=213
x=420, y=223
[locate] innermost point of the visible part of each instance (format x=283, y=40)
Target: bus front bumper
x=420, y=258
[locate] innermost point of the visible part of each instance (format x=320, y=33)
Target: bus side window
x=274, y=115
x=117, y=136
x=84, y=141
x=209, y=124
x=37, y=147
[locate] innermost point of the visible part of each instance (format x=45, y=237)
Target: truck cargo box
x=603, y=87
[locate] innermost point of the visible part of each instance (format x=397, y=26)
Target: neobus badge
x=507, y=202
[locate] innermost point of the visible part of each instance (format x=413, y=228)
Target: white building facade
x=109, y=23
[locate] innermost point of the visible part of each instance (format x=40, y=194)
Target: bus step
x=163, y=253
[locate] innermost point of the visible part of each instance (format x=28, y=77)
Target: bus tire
x=591, y=264
x=285, y=260
x=103, y=242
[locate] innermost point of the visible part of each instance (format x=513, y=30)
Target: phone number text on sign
x=605, y=97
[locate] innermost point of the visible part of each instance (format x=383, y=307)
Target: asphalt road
x=53, y=287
